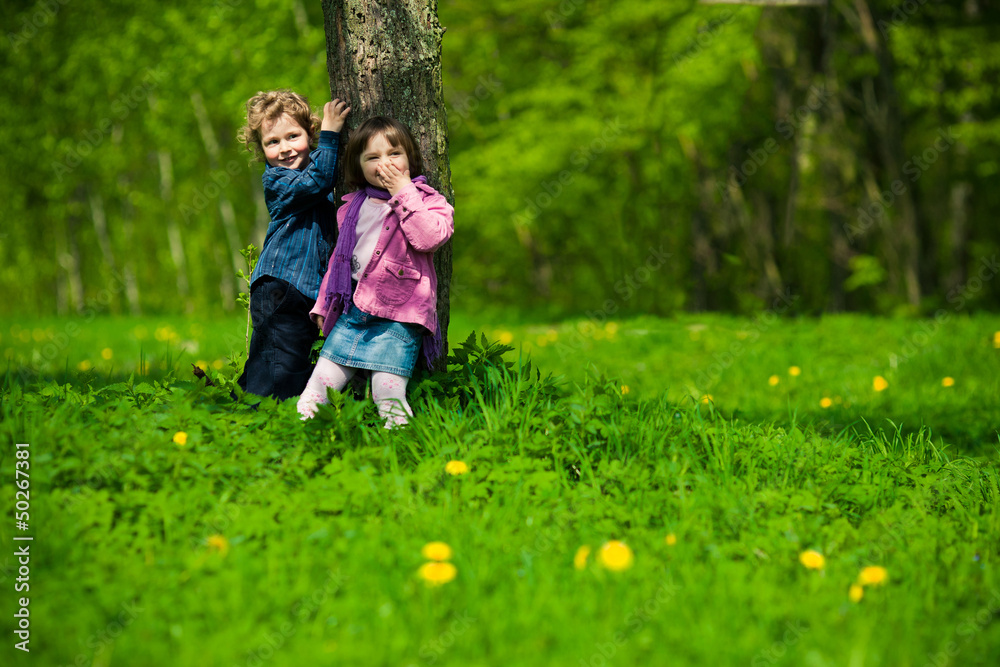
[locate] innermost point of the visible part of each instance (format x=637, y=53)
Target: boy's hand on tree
x=319, y=320
x=391, y=178
x=334, y=114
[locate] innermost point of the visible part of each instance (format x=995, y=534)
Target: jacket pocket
x=396, y=283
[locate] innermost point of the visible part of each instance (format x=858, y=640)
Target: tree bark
x=97, y=214
x=885, y=118
x=261, y=217
x=838, y=167
x=174, y=240
x=703, y=262
x=226, y=212
x=384, y=58
x=958, y=237
x=68, y=256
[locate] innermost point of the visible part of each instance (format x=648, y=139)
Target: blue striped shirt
x=303, y=219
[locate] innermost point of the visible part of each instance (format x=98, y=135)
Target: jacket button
x=365, y=275
x=401, y=272
x=395, y=203
x=378, y=252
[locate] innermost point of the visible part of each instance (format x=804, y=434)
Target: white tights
x=388, y=391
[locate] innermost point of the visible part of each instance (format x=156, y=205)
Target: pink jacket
x=399, y=282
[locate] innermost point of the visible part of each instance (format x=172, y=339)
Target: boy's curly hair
x=269, y=106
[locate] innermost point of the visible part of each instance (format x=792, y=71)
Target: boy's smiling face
x=285, y=143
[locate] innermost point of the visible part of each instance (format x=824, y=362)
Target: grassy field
x=648, y=491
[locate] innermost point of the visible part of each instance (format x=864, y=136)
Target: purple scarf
x=338, y=290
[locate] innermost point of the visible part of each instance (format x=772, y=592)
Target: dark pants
x=278, y=363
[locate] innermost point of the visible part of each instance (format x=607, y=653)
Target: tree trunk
x=958, y=237
x=761, y=231
x=174, y=240
x=261, y=217
x=884, y=116
x=128, y=275
x=101, y=230
x=301, y=18
x=68, y=256
x=954, y=259
x=385, y=59
x=838, y=168
x=702, y=256
x=226, y=212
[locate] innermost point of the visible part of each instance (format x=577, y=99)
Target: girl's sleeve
x=289, y=191
x=319, y=308
x=426, y=218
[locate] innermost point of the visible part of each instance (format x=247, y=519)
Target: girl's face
x=379, y=152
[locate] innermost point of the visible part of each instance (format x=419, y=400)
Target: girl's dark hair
x=397, y=134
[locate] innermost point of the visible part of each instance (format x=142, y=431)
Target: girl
x=378, y=299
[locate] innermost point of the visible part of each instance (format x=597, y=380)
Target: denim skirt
x=360, y=340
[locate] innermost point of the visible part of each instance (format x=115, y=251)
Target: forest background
x=607, y=157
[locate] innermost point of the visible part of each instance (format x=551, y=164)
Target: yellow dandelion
x=456, y=468
x=217, y=364
x=948, y=382
x=873, y=575
x=794, y=371
x=181, y=438
x=880, y=383
x=825, y=402
x=812, y=559
x=505, y=337
x=625, y=389
x=106, y=353
x=855, y=593
x=615, y=555
x=996, y=339
x=611, y=328
x=580, y=559
x=706, y=399
x=436, y=551
x=436, y=574
x=218, y=543
x=670, y=539
x=773, y=380
x=202, y=364
x=84, y=365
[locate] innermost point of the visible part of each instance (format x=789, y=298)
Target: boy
x=298, y=190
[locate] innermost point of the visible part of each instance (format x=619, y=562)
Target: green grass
x=323, y=522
